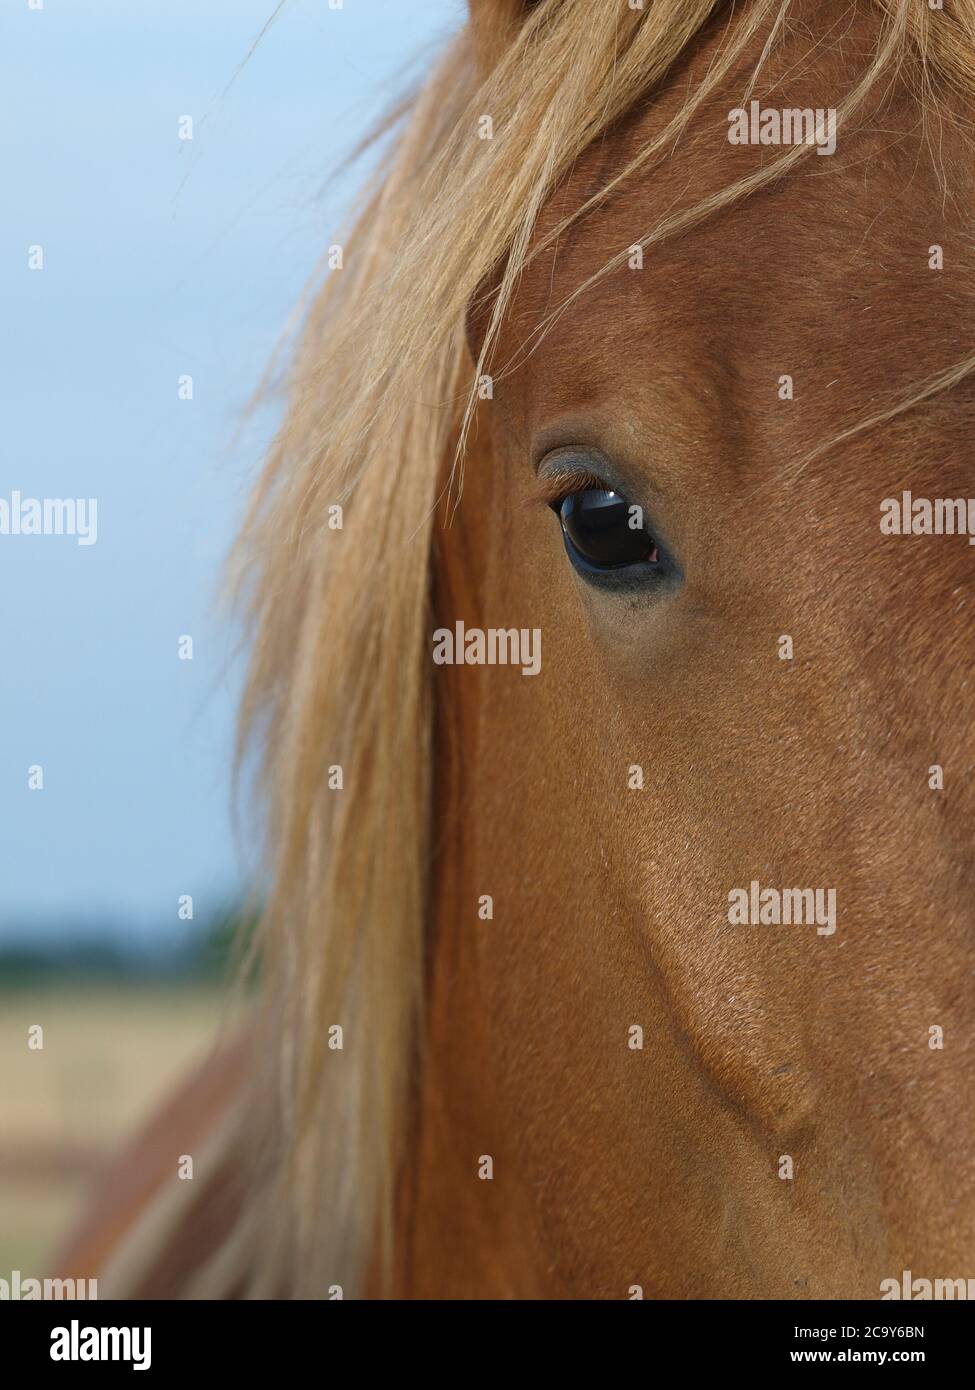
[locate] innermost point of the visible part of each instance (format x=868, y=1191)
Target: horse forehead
x=627, y=300
x=774, y=283
x=657, y=305
x=649, y=325
x=791, y=248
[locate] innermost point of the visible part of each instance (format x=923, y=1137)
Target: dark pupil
x=597, y=523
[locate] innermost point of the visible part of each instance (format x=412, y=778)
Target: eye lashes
x=553, y=488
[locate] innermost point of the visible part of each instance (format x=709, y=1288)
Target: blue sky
x=161, y=258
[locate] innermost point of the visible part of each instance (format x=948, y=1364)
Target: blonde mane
x=381, y=397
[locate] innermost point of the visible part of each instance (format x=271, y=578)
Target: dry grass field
x=109, y=1056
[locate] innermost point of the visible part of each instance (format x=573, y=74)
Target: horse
x=647, y=973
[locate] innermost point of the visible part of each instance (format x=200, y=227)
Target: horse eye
x=603, y=530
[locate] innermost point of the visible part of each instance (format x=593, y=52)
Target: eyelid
x=551, y=488
x=588, y=466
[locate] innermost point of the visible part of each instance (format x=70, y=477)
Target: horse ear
x=494, y=24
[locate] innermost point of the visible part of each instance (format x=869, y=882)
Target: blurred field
x=110, y=1055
